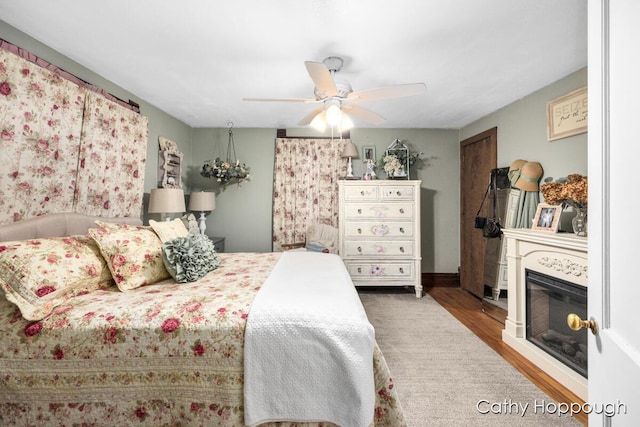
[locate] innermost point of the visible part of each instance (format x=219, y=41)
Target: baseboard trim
x=440, y=280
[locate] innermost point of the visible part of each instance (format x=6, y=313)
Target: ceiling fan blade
x=363, y=114
x=387, y=92
x=308, y=100
x=309, y=117
x=322, y=78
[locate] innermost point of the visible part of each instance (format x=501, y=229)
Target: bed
x=170, y=353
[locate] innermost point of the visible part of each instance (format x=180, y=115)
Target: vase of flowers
x=571, y=191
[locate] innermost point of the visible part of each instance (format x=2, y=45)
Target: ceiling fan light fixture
x=333, y=115
x=346, y=123
x=319, y=123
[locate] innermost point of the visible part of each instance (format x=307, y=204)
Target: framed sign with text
x=567, y=115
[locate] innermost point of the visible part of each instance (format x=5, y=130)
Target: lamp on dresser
x=202, y=201
x=350, y=151
x=166, y=201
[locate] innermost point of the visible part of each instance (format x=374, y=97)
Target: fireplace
x=548, y=279
x=548, y=302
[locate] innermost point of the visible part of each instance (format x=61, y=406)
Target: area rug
x=445, y=375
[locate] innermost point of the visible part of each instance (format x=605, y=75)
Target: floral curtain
x=40, y=125
x=46, y=122
x=112, y=159
x=305, y=189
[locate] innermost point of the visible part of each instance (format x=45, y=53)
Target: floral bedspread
x=164, y=354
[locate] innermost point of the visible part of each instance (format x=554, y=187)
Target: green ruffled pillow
x=189, y=258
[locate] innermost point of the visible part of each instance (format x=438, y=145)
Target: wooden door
x=478, y=155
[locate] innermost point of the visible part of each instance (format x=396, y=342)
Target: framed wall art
x=368, y=153
x=547, y=218
x=567, y=115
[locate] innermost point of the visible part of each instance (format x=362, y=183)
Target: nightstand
x=218, y=242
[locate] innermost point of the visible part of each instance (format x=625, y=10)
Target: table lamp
x=350, y=151
x=201, y=201
x=166, y=201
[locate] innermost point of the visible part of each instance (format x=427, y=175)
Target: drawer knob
x=398, y=193
x=401, y=249
x=359, y=211
x=359, y=269
x=402, y=229
x=401, y=270
x=359, y=249
x=359, y=230
x=362, y=193
x=401, y=210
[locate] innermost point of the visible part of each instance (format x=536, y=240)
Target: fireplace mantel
x=560, y=255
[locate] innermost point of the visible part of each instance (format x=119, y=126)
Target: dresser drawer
x=364, y=193
x=379, y=210
x=378, y=248
x=378, y=229
x=396, y=192
x=380, y=270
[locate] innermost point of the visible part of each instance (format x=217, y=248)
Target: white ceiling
x=198, y=59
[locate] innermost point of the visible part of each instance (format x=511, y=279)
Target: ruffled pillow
x=189, y=258
x=40, y=274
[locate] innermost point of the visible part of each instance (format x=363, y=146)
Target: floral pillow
x=133, y=254
x=189, y=258
x=40, y=274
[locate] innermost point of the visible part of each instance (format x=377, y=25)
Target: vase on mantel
x=579, y=222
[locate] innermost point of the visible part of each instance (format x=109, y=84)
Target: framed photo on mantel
x=567, y=115
x=547, y=218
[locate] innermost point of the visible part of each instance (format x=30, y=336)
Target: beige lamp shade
x=166, y=200
x=350, y=150
x=201, y=201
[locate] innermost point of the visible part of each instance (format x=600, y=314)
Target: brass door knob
x=576, y=323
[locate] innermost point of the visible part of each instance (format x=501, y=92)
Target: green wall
x=522, y=134
x=243, y=213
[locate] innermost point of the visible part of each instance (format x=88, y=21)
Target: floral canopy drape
x=305, y=189
x=64, y=148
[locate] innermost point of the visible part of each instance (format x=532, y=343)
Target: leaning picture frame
x=368, y=153
x=547, y=218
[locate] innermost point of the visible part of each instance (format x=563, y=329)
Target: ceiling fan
x=336, y=95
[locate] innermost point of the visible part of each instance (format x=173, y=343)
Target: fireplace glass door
x=548, y=303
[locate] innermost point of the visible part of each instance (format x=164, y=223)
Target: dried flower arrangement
x=571, y=191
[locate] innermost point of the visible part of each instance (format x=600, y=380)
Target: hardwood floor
x=488, y=326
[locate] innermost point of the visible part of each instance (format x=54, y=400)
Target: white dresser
x=380, y=232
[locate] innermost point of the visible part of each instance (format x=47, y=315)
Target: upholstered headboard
x=54, y=225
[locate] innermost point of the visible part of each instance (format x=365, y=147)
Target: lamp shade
x=166, y=200
x=201, y=201
x=350, y=150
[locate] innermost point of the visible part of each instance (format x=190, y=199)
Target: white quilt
x=309, y=346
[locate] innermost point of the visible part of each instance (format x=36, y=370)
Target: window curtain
x=305, y=189
x=65, y=148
